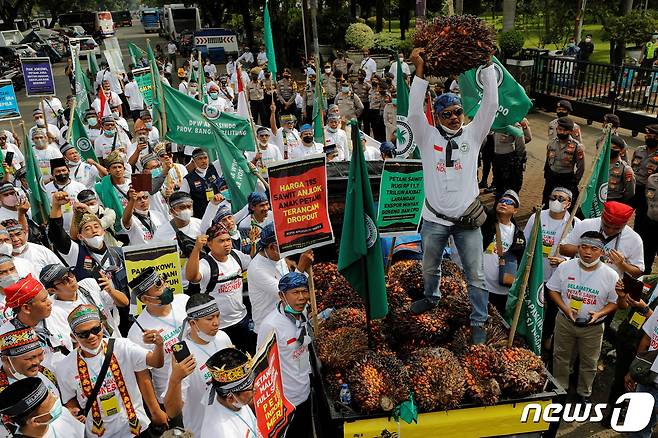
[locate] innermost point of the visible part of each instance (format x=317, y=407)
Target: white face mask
x=95, y=242
x=450, y=131
x=6, y=248
x=20, y=249
x=185, y=215
x=91, y=351
x=94, y=208
x=204, y=337
x=590, y=264
x=142, y=212
x=555, y=206
x=16, y=374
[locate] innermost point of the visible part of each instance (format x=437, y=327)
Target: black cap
x=144, y=281
x=52, y=273
x=22, y=397
x=565, y=122
x=86, y=195
x=613, y=119
x=57, y=162
x=617, y=140
x=565, y=104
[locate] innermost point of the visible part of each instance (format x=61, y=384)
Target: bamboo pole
x=524, y=279
x=68, y=132
x=314, y=304
x=389, y=261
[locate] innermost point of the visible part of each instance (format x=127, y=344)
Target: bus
x=177, y=18
x=151, y=20
x=104, y=24
x=122, y=18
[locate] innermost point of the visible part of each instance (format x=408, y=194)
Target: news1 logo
x=638, y=413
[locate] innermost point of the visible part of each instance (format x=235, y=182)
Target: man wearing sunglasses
x=450, y=157
x=266, y=153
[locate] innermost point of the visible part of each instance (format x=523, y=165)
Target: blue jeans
x=646, y=432
x=469, y=244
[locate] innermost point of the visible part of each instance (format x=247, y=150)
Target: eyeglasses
x=445, y=115
x=558, y=198
x=92, y=331
x=142, y=198
x=67, y=279
x=506, y=201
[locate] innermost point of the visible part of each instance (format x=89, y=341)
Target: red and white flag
x=243, y=105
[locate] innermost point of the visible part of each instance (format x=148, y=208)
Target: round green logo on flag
x=404, y=137
x=211, y=112
x=371, y=230
x=499, y=75
x=83, y=144
x=603, y=193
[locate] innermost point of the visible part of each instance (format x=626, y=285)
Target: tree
x=635, y=27
x=580, y=15
x=11, y=9
x=509, y=14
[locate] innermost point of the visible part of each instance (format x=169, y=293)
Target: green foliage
x=511, y=42
x=635, y=27
x=359, y=36
x=333, y=23
x=372, y=22
x=386, y=43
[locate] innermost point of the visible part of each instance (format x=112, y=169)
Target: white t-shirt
x=51, y=107
x=169, y=327
x=269, y=155
x=263, y=279
x=211, y=70
x=287, y=141
x=304, y=151
x=650, y=327
x=596, y=288
x=394, y=70
x=85, y=174
x=369, y=66
x=221, y=422
x=138, y=233
x=103, y=144
x=339, y=138
x=294, y=357
x=221, y=104
x=131, y=359
x=551, y=230
x=628, y=242
x=111, y=100
x=194, y=387
x=6, y=213
x=72, y=188
x=44, y=156
x=38, y=255
x=451, y=186
x=228, y=290
x=244, y=225
x=19, y=160
x=6, y=313
x=372, y=154
x=134, y=96
x=490, y=260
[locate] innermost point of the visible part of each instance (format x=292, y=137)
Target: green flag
x=513, y=103
x=269, y=41
x=360, y=254
x=189, y=122
x=82, y=84
x=531, y=318
x=404, y=141
x=110, y=199
x=156, y=88
x=145, y=83
x=136, y=54
x=38, y=197
x=80, y=139
x=203, y=96
x=93, y=65
x=596, y=191
x=318, y=111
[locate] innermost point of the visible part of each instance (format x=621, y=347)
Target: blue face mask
x=156, y=172
x=148, y=125
x=54, y=413
x=108, y=132
x=213, y=95
x=92, y=121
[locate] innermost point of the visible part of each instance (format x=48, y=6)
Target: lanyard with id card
x=109, y=404
x=634, y=288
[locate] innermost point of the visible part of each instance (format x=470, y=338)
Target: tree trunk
x=353, y=9
x=459, y=7
x=248, y=25
x=627, y=7
x=509, y=14
x=580, y=16
x=379, y=12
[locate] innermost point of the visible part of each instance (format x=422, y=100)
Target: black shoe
x=423, y=305
x=478, y=335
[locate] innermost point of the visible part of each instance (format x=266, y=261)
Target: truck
x=216, y=43
x=151, y=20
x=104, y=25
x=176, y=18
x=85, y=19
x=122, y=18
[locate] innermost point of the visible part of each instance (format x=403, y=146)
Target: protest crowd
x=145, y=260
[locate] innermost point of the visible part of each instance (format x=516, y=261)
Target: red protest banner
x=273, y=410
x=298, y=195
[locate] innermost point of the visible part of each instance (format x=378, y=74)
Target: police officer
x=565, y=161
x=203, y=183
x=377, y=102
x=309, y=99
x=257, y=98
x=564, y=109
x=285, y=93
x=648, y=55
x=644, y=162
x=362, y=89
x=621, y=182
x=509, y=157
x=330, y=83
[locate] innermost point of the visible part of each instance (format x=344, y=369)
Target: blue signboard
x=38, y=74
x=8, y=104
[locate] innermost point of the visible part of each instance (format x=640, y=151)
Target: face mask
x=54, y=412
x=156, y=172
x=20, y=250
x=651, y=142
x=563, y=136
x=327, y=70
x=614, y=153
x=193, y=89
x=307, y=139
x=92, y=121
x=62, y=178
x=95, y=242
x=562, y=113
x=450, y=131
x=185, y=215
x=204, y=337
x=94, y=208
x=330, y=129
x=8, y=279
x=555, y=206
x=237, y=404
x=91, y=351
x=213, y=95
x=590, y=264
x=141, y=212
x=588, y=40
x=16, y=374
x=6, y=249
x=40, y=122
x=72, y=164
x=41, y=143
x=10, y=201
x=108, y=132
x=233, y=232
x=167, y=296
x=149, y=125
x=345, y=89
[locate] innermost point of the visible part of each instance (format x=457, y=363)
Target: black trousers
x=504, y=170
x=301, y=424
x=626, y=347
x=258, y=112
x=243, y=338
x=376, y=121
x=364, y=118
x=644, y=227
x=487, y=160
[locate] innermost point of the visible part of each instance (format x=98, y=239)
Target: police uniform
x=621, y=182
x=257, y=102
x=349, y=104
x=650, y=222
x=330, y=84
x=286, y=94
x=509, y=157
x=564, y=167
x=376, y=114
x=362, y=89
x=309, y=102
x=552, y=134
x=342, y=65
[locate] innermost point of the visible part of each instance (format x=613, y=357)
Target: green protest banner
x=401, y=196
x=145, y=83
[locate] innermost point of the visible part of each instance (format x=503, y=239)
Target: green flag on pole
x=190, y=122
x=531, y=318
x=80, y=139
x=203, y=96
x=404, y=144
x=318, y=113
x=596, y=191
x=93, y=65
x=513, y=103
x=156, y=88
x=38, y=197
x=82, y=84
x=136, y=54
x=360, y=254
x=269, y=41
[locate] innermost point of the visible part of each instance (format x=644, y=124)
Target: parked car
x=73, y=31
x=87, y=45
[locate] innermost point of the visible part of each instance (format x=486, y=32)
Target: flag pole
x=25, y=153
x=364, y=274
x=389, y=261
x=314, y=303
x=581, y=196
x=524, y=280
x=73, y=109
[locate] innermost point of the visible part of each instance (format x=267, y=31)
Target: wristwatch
x=644, y=310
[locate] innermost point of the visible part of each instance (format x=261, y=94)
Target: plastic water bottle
x=345, y=395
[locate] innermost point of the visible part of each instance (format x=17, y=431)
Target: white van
x=104, y=23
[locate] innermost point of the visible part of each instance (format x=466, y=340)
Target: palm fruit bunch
x=482, y=367
x=452, y=285
x=461, y=340
x=458, y=307
x=324, y=274
x=408, y=273
x=378, y=382
x=523, y=372
x=337, y=349
x=451, y=269
x=345, y=317
x=428, y=329
x=397, y=296
x=454, y=44
x=436, y=378
x=332, y=289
